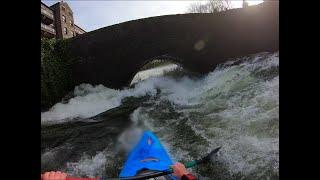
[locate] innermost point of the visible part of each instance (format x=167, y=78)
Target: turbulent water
x=155, y=72
x=236, y=106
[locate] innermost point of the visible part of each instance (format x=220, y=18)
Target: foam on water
x=131, y=135
x=88, y=166
x=142, y=75
x=91, y=100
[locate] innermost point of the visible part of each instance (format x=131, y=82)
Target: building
x=57, y=21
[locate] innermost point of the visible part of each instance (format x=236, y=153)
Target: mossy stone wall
x=56, y=79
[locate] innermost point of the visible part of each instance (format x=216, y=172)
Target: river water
x=236, y=106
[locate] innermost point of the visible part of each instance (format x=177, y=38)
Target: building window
x=64, y=18
x=63, y=8
x=70, y=22
x=74, y=33
x=65, y=30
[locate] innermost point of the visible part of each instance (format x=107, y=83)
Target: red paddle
x=78, y=178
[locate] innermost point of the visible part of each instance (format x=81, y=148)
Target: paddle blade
x=209, y=156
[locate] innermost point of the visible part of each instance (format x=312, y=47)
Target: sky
x=91, y=15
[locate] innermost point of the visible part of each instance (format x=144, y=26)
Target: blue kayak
x=148, y=154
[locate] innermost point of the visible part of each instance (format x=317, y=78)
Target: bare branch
x=211, y=6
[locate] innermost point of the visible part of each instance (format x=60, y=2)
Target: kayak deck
x=148, y=154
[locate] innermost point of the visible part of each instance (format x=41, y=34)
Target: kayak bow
x=149, y=154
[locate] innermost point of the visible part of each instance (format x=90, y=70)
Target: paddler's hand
x=54, y=176
x=179, y=170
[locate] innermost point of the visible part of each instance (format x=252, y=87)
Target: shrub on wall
x=55, y=72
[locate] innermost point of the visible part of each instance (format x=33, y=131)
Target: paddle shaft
x=161, y=173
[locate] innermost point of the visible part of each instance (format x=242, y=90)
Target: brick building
x=57, y=21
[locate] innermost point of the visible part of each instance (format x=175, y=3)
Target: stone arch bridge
x=113, y=55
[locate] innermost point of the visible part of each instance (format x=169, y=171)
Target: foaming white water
x=142, y=75
x=129, y=137
x=88, y=166
x=88, y=101
x=92, y=100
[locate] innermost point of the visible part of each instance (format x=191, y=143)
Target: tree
x=245, y=4
x=210, y=6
